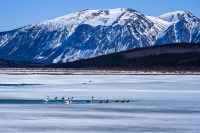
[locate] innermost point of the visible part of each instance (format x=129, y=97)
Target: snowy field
x=161, y=104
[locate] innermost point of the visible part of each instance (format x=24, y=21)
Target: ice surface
x=163, y=104
x=140, y=117
x=113, y=86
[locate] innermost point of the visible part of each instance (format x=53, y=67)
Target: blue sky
x=18, y=13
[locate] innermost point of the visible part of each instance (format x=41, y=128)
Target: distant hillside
x=184, y=56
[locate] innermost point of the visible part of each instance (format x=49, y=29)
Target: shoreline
x=53, y=71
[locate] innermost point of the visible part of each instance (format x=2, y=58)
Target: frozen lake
x=162, y=104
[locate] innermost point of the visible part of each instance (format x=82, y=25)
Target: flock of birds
x=71, y=100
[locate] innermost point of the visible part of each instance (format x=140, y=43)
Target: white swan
x=68, y=101
x=46, y=99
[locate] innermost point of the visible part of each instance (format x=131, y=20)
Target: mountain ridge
x=91, y=33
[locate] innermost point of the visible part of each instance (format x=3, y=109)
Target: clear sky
x=18, y=13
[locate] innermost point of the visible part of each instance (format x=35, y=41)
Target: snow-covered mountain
x=91, y=33
x=185, y=28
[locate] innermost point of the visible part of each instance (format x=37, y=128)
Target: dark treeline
x=19, y=64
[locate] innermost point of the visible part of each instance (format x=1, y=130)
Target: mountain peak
x=101, y=17
x=88, y=14
x=176, y=16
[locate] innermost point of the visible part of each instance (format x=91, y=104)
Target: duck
x=92, y=100
x=71, y=100
x=101, y=101
x=123, y=101
x=63, y=98
x=88, y=101
x=56, y=98
x=107, y=100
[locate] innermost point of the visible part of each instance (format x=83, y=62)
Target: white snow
x=160, y=23
x=4, y=39
x=13, y=50
x=40, y=57
x=174, y=16
x=71, y=21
